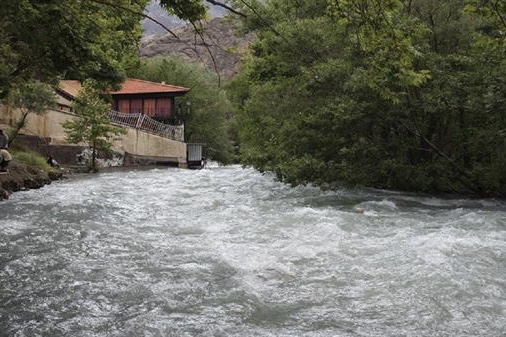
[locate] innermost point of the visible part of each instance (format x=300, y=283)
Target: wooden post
x=139, y=121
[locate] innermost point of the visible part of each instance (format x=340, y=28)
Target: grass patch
x=32, y=159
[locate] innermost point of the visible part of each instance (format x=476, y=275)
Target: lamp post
x=186, y=114
x=188, y=108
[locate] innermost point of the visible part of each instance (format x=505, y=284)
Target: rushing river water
x=227, y=251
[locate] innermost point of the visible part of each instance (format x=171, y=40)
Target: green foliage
x=34, y=97
x=205, y=110
x=391, y=94
x=66, y=38
x=30, y=98
x=32, y=159
x=93, y=126
x=53, y=39
x=190, y=10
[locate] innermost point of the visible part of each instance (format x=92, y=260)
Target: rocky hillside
x=219, y=48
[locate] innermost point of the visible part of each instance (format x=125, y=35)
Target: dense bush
x=393, y=94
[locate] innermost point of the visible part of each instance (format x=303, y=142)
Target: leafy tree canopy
x=191, y=10
x=63, y=38
x=93, y=126
x=50, y=39
x=30, y=98
x=392, y=94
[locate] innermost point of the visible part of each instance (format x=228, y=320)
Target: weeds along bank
x=26, y=171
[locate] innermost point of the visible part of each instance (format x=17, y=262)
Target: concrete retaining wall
x=134, y=142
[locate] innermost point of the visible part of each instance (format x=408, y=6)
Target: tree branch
x=497, y=11
x=215, y=66
x=230, y=9
x=114, y=5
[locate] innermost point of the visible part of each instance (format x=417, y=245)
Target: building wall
x=155, y=107
x=135, y=142
x=140, y=143
x=48, y=125
x=64, y=104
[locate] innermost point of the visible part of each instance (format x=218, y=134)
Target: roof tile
x=130, y=86
x=135, y=86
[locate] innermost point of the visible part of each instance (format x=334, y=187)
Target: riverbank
x=23, y=177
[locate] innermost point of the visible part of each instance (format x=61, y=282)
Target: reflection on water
x=226, y=251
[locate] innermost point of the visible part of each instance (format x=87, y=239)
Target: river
x=227, y=251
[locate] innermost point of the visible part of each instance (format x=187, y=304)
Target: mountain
x=219, y=48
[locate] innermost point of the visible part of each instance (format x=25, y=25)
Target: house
x=156, y=100
x=142, y=106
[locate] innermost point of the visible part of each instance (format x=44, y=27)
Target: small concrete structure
x=195, y=156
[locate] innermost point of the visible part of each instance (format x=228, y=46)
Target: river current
x=227, y=251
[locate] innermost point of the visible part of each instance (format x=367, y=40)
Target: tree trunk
x=93, y=158
x=17, y=127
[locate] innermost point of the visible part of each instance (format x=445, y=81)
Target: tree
x=30, y=98
x=45, y=40
x=391, y=94
x=194, y=10
x=205, y=110
x=52, y=39
x=190, y=10
x=93, y=126
x=315, y=77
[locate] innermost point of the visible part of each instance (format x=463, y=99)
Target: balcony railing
x=148, y=124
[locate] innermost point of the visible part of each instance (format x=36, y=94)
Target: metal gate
x=194, y=155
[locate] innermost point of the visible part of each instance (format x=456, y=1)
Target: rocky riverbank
x=23, y=177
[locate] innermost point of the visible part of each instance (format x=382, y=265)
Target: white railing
x=148, y=124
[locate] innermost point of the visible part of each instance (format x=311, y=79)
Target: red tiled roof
x=135, y=86
x=130, y=86
x=70, y=87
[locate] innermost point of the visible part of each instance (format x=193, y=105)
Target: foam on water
x=226, y=251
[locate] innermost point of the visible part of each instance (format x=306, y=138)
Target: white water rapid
x=226, y=251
